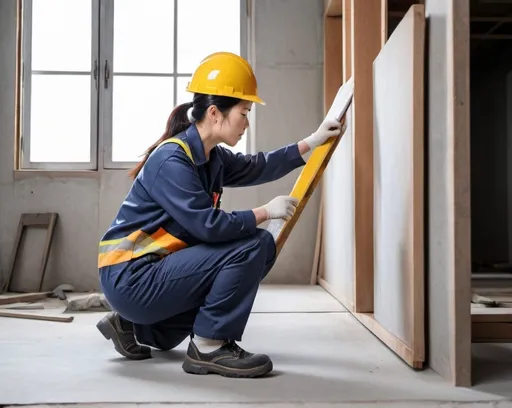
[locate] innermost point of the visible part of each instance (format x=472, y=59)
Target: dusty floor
x=322, y=357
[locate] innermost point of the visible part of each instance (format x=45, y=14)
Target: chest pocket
x=216, y=195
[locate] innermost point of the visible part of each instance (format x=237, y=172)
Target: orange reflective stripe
x=114, y=257
x=137, y=244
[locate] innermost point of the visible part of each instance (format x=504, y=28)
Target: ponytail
x=178, y=122
x=183, y=115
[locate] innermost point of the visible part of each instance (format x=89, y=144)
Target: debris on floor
x=51, y=305
x=94, y=301
x=492, y=297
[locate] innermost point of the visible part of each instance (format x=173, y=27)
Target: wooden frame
x=333, y=79
x=38, y=220
x=366, y=43
x=364, y=32
x=459, y=129
x=18, y=90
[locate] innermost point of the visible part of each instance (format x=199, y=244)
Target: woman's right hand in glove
x=280, y=207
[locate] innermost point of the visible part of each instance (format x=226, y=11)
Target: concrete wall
x=489, y=153
x=287, y=53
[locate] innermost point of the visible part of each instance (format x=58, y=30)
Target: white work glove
x=281, y=207
x=328, y=128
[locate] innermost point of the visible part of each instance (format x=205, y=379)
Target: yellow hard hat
x=225, y=74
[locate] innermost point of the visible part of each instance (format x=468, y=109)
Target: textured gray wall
x=288, y=61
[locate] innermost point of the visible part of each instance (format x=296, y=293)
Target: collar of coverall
x=196, y=147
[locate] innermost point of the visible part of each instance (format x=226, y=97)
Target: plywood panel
x=338, y=239
x=449, y=250
x=398, y=81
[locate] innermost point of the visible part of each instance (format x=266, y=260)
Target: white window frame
x=26, y=82
x=102, y=52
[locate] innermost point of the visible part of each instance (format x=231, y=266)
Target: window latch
x=107, y=74
x=95, y=73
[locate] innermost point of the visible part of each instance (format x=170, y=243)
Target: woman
x=173, y=264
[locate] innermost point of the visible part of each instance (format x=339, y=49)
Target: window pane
x=215, y=28
x=182, y=94
x=60, y=121
x=61, y=35
x=141, y=106
x=144, y=36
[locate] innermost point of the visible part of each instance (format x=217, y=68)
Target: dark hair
x=178, y=120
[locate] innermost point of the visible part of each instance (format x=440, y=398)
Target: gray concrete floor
x=322, y=358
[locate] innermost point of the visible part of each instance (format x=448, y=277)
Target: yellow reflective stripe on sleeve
x=180, y=142
x=137, y=244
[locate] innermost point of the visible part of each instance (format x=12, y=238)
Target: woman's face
x=230, y=129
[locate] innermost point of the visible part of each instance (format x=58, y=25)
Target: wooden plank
x=14, y=253
x=52, y=222
x=347, y=40
x=313, y=170
x=383, y=22
x=321, y=262
x=318, y=244
x=36, y=316
x=28, y=297
x=332, y=82
x=366, y=44
x=399, y=184
x=36, y=220
x=459, y=131
x=333, y=59
x=338, y=186
x=390, y=340
x=23, y=306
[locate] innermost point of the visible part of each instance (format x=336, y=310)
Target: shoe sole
x=192, y=366
x=109, y=332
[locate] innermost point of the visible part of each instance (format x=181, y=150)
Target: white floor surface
x=321, y=355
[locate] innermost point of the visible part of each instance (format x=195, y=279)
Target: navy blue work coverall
x=173, y=263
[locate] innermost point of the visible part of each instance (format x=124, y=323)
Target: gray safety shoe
x=230, y=360
x=120, y=331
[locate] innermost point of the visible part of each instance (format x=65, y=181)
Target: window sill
x=29, y=174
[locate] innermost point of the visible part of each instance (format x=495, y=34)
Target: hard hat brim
x=250, y=98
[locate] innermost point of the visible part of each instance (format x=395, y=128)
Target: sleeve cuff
x=248, y=222
x=295, y=157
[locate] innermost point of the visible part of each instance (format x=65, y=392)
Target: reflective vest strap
x=180, y=142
